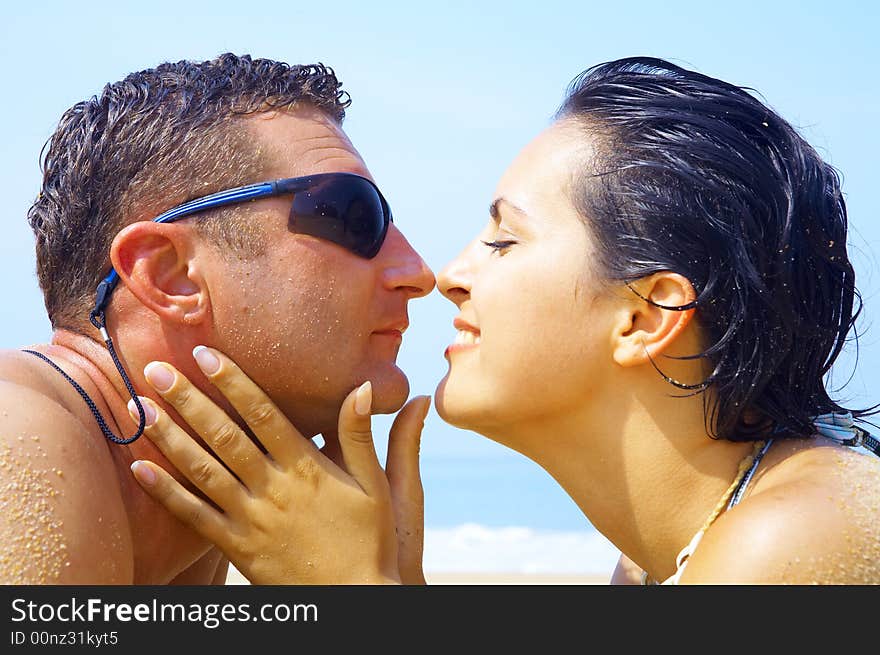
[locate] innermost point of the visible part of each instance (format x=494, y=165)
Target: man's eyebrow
x=493, y=208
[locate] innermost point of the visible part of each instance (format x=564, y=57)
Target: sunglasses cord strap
x=98, y=321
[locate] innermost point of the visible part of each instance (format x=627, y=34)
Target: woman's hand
x=290, y=516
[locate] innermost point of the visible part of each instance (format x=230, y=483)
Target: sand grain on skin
x=32, y=546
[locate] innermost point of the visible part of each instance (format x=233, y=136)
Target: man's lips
x=394, y=330
x=396, y=334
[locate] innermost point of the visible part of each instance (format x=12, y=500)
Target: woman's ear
x=156, y=262
x=646, y=328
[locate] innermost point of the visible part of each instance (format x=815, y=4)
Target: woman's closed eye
x=499, y=246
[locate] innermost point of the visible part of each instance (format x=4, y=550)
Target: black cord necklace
x=98, y=320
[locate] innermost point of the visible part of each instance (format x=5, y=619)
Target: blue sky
x=443, y=98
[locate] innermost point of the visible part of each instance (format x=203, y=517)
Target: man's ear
x=644, y=327
x=155, y=262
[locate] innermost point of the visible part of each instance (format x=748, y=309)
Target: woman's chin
x=458, y=407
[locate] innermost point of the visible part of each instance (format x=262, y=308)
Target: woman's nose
x=454, y=281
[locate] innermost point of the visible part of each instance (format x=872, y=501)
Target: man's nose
x=403, y=267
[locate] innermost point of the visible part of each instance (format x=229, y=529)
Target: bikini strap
x=741, y=488
x=840, y=427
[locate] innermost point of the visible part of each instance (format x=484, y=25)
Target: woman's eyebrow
x=493, y=208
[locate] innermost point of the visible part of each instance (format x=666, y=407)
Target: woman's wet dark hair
x=697, y=176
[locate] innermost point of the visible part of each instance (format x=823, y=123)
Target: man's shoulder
x=61, y=514
x=29, y=398
x=25, y=370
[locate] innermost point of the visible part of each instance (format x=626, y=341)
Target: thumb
x=356, y=441
x=407, y=495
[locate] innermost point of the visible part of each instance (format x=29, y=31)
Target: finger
x=274, y=430
x=356, y=441
x=220, y=432
x=407, y=495
x=404, y=440
x=195, y=463
x=188, y=509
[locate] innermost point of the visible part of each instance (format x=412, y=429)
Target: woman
x=648, y=314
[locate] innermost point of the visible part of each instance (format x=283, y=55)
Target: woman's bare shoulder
x=811, y=517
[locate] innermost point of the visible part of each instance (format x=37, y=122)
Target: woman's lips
x=467, y=338
x=458, y=347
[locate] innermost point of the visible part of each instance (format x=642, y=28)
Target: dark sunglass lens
x=345, y=210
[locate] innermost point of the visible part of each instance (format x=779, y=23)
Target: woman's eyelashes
x=499, y=246
x=497, y=232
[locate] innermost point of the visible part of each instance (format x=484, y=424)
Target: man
x=305, y=286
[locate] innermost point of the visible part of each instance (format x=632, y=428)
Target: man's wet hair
x=153, y=140
x=698, y=176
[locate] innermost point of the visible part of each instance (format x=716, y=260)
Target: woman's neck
x=645, y=475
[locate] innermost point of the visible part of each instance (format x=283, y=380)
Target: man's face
x=308, y=320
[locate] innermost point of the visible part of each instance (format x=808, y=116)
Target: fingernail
x=160, y=376
x=363, y=399
x=143, y=473
x=427, y=408
x=207, y=361
x=149, y=411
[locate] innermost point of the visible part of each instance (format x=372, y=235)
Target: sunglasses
x=344, y=208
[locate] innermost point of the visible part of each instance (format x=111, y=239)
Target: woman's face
x=531, y=322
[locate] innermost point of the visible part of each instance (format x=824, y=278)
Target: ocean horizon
x=496, y=489
x=474, y=548
x=502, y=513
